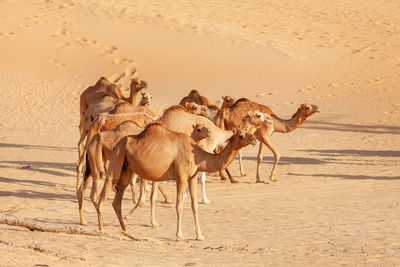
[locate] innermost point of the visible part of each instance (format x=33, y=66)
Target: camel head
x=242, y=138
x=227, y=102
x=307, y=109
x=200, y=131
x=197, y=109
x=137, y=84
x=257, y=118
x=146, y=97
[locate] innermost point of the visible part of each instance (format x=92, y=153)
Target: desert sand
x=336, y=201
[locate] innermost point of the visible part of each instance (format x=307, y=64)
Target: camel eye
x=258, y=115
x=198, y=129
x=241, y=136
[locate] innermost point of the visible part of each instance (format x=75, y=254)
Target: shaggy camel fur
x=158, y=154
x=99, y=150
x=232, y=118
x=104, y=88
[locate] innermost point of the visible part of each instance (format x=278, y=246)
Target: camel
x=105, y=88
x=197, y=109
x=158, y=154
x=99, y=150
x=195, y=97
x=232, y=117
x=146, y=98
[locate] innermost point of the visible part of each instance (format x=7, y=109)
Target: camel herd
x=123, y=138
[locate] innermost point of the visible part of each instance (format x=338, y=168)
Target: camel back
x=196, y=97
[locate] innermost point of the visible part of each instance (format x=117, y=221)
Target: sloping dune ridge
x=336, y=201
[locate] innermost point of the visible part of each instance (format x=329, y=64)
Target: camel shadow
x=30, y=194
x=289, y=160
x=349, y=176
x=353, y=152
x=41, y=166
x=345, y=127
x=23, y=146
x=26, y=181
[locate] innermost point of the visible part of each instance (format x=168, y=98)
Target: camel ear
x=234, y=130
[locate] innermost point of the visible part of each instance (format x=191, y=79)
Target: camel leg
x=259, y=160
x=140, y=202
x=166, y=197
x=101, y=201
x=180, y=189
x=223, y=178
x=265, y=140
x=132, y=183
x=80, y=193
x=122, y=184
x=242, y=172
x=79, y=167
x=153, y=197
x=233, y=180
x=195, y=207
x=202, y=178
x=81, y=145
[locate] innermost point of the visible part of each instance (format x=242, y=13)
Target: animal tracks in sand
x=109, y=49
x=84, y=41
x=57, y=63
x=7, y=34
x=129, y=71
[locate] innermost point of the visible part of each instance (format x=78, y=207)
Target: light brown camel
x=146, y=98
x=99, y=150
x=233, y=117
x=105, y=88
x=158, y=154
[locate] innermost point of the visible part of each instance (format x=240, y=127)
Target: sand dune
x=336, y=200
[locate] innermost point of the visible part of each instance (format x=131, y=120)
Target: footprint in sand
x=63, y=45
x=84, y=41
x=7, y=34
x=119, y=60
x=116, y=77
x=110, y=49
x=307, y=89
x=62, y=32
x=264, y=94
x=57, y=63
x=129, y=71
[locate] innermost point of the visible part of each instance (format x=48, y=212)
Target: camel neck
x=133, y=97
x=208, y=162
x=286, y=126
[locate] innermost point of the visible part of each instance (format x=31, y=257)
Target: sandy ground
x=336, y=201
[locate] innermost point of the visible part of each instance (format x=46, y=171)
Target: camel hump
x=102, y=81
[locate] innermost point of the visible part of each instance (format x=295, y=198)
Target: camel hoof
x=105, y=224
x=206, y=201
x=141, y=204
x=84, y=223
x=155, y=225
x=243, y=174
x=224, y=178
x=272, y=179
x=233, y=181
x=200, y=238
x=180, y=238
x=168, y=201
x=258, y=181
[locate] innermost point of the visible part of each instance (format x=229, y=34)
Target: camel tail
x=87, y=171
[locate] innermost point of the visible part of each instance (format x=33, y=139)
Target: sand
x=336, y=201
